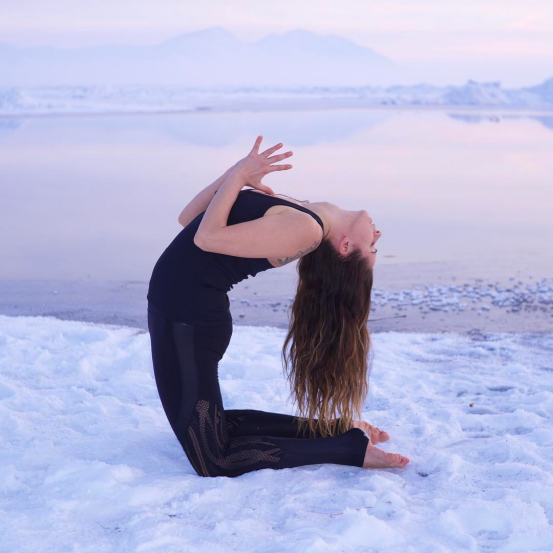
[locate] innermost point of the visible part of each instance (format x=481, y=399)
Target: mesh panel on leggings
x=213, y=453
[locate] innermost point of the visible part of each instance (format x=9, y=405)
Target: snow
x=447, y=297
x=88, y=461
x=89, y=99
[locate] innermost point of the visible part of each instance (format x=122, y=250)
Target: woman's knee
x=212, y=452
x=206, y=438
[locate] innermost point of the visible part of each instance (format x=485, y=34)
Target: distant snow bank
x=88, y=461
x=142, y=98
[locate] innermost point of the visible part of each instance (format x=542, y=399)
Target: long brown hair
x=327, y=365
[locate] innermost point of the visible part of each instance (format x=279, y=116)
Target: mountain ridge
x=210, y=56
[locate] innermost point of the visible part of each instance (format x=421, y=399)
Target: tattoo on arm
x=301, y=253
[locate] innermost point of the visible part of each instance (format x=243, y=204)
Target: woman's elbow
x=201, y=242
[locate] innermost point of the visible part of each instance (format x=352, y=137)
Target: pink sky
x=494, y=39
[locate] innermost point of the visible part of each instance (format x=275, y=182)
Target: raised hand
x=256, y=165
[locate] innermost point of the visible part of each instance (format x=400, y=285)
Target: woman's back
x=190, y=285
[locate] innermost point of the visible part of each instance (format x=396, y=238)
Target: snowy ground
x=88, y=461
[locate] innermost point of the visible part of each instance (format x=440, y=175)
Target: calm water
x=98, y=197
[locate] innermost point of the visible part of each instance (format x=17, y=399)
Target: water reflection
x=215, y=130
x=545, y=120
x=99, y=196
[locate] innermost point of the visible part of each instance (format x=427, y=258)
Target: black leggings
x=229, y=442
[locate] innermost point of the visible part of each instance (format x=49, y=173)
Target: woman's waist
x=205, y=313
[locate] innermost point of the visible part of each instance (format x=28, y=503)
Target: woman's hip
x=194, y=343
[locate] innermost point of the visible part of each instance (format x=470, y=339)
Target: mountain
x=210, y=57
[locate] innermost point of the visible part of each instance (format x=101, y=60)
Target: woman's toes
x=395, y=461
x=377, y=458
x=402, y=461
x=375, y=434
x=378, y=435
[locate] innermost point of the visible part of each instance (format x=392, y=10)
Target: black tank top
x=190, y=285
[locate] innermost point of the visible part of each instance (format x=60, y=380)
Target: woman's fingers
x=279, y=157
x=261, y=166
x=274, y=159
x=257, y=144
x=277, y=168
x=269, y=151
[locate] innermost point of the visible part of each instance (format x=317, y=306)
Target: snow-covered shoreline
x=429, y=305
x=132, y=99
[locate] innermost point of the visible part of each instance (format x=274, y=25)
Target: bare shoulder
x=310, y=228
x=280, y=236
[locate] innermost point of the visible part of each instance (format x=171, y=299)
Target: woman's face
x=365, y=236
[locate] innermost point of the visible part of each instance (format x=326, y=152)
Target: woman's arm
x=199, y=203
x=218, y=210
x=248, y=171
x=288, y=236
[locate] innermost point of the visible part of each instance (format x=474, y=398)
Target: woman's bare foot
x=377, y=459
x=375, y=434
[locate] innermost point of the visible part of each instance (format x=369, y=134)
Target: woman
x=230, y=234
